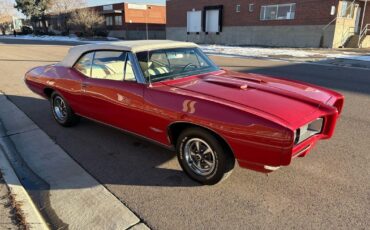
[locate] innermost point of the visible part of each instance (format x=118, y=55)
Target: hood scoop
x=255, y=80
x=227, y=82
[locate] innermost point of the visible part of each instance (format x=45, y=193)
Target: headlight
x=309, y=130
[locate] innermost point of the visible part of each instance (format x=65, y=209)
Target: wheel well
x=48, y=92
x=174, y=131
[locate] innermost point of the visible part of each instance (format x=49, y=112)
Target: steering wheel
x=188, y=66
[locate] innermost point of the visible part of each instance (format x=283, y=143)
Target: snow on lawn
x=255, y=51
x=357, y=58
x=55, y=38
x=278, y=52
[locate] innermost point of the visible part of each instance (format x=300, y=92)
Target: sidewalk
x=66, y=194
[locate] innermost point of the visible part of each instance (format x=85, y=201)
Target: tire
x=62, y=112
x=203, y=157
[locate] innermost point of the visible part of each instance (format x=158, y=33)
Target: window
x=108, y=7
x=347, y=10
x=84, y=64
x=212, y=21
x=251, y=7
x=109, y=65
x=194, y=21
x=237, y=8
x=118, y=20
x=332, y=10
x=278, y=12
x=174, y=63
x=109, y=21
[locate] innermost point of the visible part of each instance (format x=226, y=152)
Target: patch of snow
x=260, y=52
x=71, y=38
x=357, y=58
x=112, y=39
x=255, y=51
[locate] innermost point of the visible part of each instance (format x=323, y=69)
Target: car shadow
x=113, y=157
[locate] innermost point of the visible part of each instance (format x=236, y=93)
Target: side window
x=129, y=71
x=84, y=64
x=108, y=65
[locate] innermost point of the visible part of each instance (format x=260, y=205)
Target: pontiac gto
x=173, y=94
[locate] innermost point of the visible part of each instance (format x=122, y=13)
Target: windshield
x=167, y=64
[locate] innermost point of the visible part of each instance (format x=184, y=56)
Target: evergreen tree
x=34, y=9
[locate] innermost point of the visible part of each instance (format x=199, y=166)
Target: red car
x=173, y=94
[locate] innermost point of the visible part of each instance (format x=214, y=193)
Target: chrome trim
x=59, y=109
x=169, y=147
x=137, y=70
x=299, y=137
x=302, y=151
x=199, y=156
x=271, y=168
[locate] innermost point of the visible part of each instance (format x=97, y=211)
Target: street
x=328, y=189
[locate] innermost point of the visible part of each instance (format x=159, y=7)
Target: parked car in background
x=173, y=94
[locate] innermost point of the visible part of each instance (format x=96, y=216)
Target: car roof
x=133, y=46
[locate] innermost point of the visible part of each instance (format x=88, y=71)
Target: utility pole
x=146, y=20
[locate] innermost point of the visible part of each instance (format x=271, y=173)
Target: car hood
x=287, y=100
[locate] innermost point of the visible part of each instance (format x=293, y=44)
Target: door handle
x=84, y=85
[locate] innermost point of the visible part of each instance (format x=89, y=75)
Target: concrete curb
x=74, y=198
x=31, y=214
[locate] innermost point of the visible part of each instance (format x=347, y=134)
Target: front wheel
x=62, y=112
x=203, y=157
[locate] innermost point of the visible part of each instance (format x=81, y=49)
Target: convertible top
x=133, y=46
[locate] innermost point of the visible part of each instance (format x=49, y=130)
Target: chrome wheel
x=59, y=108
x=199, y=156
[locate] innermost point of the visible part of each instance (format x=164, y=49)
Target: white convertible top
x=133, y=46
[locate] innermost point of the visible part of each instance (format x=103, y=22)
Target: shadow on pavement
x=332, y=77
x=111, y=156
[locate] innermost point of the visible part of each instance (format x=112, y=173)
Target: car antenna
x=147, y=62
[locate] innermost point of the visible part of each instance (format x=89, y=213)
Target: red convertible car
x=173, y=94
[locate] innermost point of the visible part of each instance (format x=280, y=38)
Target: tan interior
x=113, y=71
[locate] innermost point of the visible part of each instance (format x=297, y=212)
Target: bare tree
x=6, y=13
x=63, y=8
x=86, y=20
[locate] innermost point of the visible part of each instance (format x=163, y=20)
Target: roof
x=132, y=46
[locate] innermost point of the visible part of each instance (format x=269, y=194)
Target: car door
x=110, y=92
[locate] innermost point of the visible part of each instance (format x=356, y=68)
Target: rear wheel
x=203, y=157
x=62, y=112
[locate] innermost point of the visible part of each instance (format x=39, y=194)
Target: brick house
x=290, y=23
x=125, y=20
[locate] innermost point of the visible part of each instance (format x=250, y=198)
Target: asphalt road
x=328, y=189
